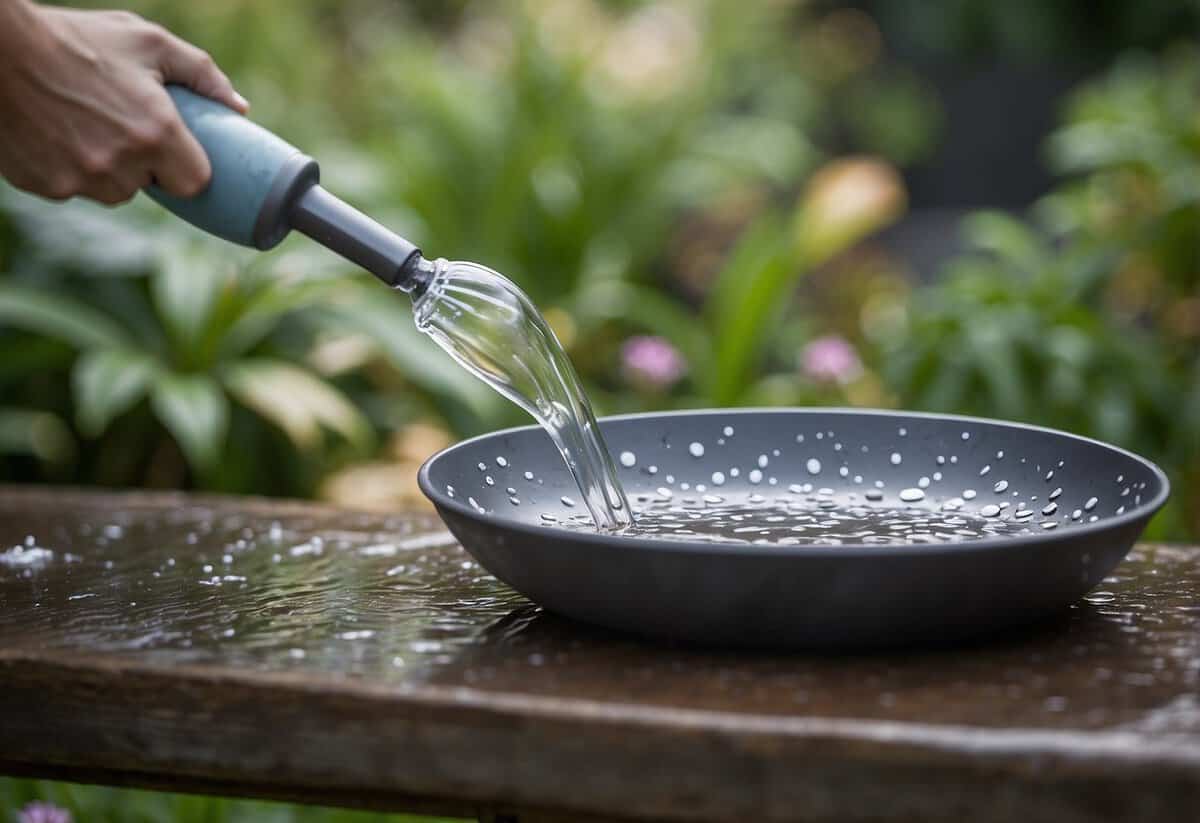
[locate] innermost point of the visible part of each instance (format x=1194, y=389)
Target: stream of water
x=493, y=330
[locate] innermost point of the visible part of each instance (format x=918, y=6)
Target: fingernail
x=242, y=101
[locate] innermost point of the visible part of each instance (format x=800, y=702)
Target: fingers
x=178, y=161
x=181, y=62
x=109, y=191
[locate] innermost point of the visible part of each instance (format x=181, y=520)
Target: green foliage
x=1087, y=317
x=562, y=146
x=92, y=804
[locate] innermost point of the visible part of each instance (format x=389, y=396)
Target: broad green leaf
x=1010, y=239
x=186, y=287
x=387, y=321
x=749, y=296
x=37, y=433
x=84, y=235
x=296, y=400
x=62, y=318
x=260, y=314
x=108, y=382
x=196, y=412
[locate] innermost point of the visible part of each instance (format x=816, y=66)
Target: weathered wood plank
x=277, y=649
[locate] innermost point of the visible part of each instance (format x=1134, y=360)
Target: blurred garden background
x=963, y=206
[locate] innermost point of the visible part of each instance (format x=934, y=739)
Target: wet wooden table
x=288, y=651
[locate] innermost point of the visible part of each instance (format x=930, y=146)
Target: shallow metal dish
x=807, y=595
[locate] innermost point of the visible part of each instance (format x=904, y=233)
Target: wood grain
x=496, y=709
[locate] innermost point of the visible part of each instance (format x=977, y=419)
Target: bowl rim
x=633, y=541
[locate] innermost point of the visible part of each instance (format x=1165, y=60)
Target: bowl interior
x=854, y=457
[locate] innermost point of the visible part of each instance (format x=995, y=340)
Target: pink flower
x=830, y=359
x=652, y=362
x=39, y=812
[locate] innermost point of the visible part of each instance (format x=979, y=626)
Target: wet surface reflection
x=260, y=586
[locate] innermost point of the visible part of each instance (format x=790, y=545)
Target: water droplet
x=489, y=480
x=1055, y=494
x=755, y=476
x=903, y=432
x=896, y=458
x=1050, y=475
x=652, y=470
x=984, y=470
x=763, y=460
x=718, y=478
x=941, y=460
x=728, y=431
x=502, y=462
x=911, y=495
x=968, y=494
x=528, y=475
x=628, y=459
x=482, y=466
x=1050, y=524
x=923, y=483
x=990, y=510
x=1090, y=504
x=966, y=435
x=566, y=501
x=696, y=449
x=844, y=471
x=813, y=466
x=663, y=491
x=873, y=494
x=1077, y=514
x=735, y=471
x=1000, y=486
x=1000, y=454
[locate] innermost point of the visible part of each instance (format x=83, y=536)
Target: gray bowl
x=817, y=596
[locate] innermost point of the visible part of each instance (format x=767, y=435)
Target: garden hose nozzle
x=263, y=187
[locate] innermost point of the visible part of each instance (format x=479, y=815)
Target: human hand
x=83, y=110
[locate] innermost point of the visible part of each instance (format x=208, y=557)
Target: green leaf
x=259, y=316
x=37, y=433
x=108, y=382
x=387, y=321
x=186, y=288
x=749, y=295
x=59, y=317
x=196, y=412
x=297, y=401
x=1010, y=239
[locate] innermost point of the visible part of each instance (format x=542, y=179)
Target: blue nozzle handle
x=263, y=187
x=256, y=176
